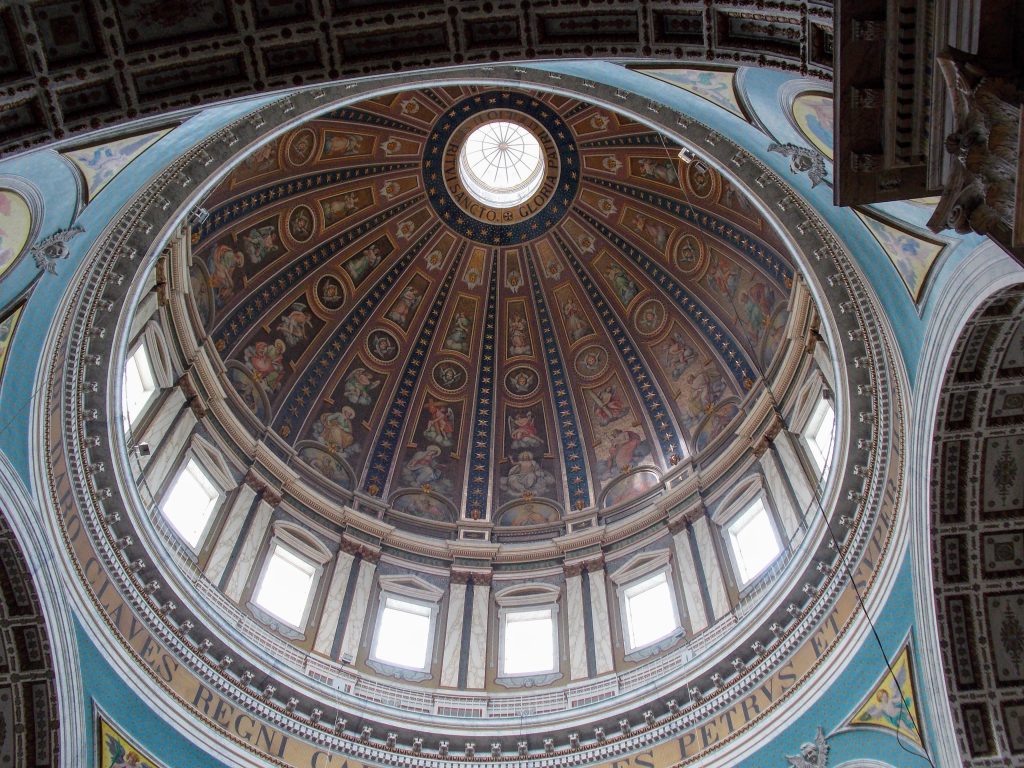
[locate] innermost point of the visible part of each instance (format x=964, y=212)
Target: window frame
x=140, y=346
x=317, y=571
x=812, y=426
x=637, y=570
x=743, y=510
x=528, y=599
x=416, y=591
x=190, y=458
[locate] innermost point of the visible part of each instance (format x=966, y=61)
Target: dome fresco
x=404, y=340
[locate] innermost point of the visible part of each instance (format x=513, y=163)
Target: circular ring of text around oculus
x=491, y=233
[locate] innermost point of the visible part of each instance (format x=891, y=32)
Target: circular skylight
x=501, y=164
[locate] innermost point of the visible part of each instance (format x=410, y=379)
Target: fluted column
x=688, y=578
x=574, y=626
x=360, y=604
x=333, y=602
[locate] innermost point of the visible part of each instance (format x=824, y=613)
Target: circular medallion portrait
x=449, y=376
x=330, y=293
x=591, y=361
x=688, y=255
x=301, y=224
x=702, y=180
x=301, y=147
x=650, y=317
x=382, y=346
x=521, y=381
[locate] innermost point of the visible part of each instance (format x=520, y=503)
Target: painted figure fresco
x=912, y=256
x=891, y=706
x=260, y=242
x=457, y=338
x=346, y=144
x=676, y=355
x=686, y=252
x=424, y=506
x=528, y=513
x=523, y=430
x=222, y=265
x=262, y=161
x=550, y=264
x=100, y=163
x=335, y=430
x=202, y=295
x=655, y=232
x=715, y=86
x=812, y=113
x=663, y=171
x=630, y=487
x=527, y=476
x=116, y=751
x=295, y=323
x=360, y=385
x=607, y=403
x=301, y=224
x=265, y=360
x=327, y=463
x=343, y=206
x=7, y=328
x=404, y=307
x=621, y=281
x=577, y=326
x=330, y=293
x=363, y=262
x=15, y=226
x=518, y=336
x=439, y=427
x=424, y=468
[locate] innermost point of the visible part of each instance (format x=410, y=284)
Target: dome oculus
x=501, y=164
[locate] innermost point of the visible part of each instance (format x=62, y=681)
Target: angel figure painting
x=117, y=752
x=813, y=754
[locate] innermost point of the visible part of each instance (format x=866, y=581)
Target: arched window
x=288, y=580
x=528, y=634
x=648, y=610
x=403, y=638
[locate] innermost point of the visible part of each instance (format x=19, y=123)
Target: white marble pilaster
x=824, y=361
x=600, y=619
x=221, y=553
x=453, y=635
x=478, y=636
x=171, y=401
x=246, y=560
x=780, y=494
x=332, y=603
x=167, y=449
x=713, y=575
x=689, y=585
x=790, y=455
x=357, y=611
x=574, y=627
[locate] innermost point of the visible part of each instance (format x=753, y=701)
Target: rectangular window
x=139, y=383
x=650, y=613
x=189, y=503
x=529, y=642
x=755, y=545
x=403, y=634
x=821, y=431
x=285, y=586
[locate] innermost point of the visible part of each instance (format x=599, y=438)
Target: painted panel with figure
x=116, y=751
x=527, y=467
x=812, y=113
x=913, y=254
x=100, y=163
x=619, y=440
x=432, y=456
x=714, y=85
x=15, y=227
